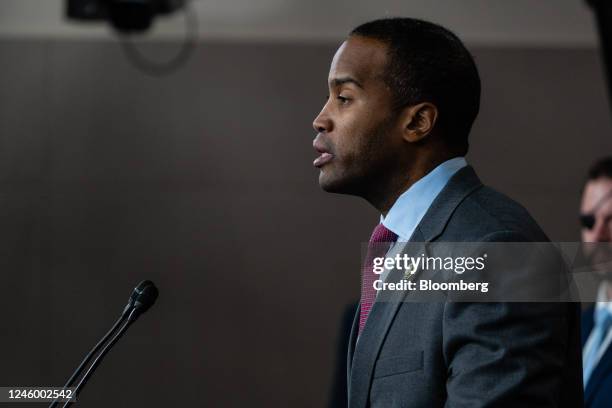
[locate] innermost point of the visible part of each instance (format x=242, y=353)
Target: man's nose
x=322, y=123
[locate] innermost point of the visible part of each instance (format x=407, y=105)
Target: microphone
x=142, y=298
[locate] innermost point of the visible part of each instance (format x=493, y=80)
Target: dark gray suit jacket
x=452, y=354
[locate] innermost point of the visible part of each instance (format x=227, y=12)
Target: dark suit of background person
x=596, y=218
x=403, y=95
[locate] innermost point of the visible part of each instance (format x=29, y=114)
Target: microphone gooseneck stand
x=142, y=298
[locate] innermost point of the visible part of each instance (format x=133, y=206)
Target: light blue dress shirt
x=411, y=206
x=592, y=353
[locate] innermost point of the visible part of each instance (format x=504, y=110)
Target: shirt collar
x=411, y=206
x=603, y=300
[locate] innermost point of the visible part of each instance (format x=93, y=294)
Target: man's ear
x=418, y=121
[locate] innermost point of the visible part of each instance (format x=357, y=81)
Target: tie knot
x=603, y=318
x=382, y=234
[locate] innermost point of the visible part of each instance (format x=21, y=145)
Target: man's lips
x=323, y=159
x=325, y=156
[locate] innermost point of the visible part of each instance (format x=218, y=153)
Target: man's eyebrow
x=344, y=80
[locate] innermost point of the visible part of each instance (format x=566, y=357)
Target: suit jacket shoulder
x=485, y=211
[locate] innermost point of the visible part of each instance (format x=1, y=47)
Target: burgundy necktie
x=376, y=248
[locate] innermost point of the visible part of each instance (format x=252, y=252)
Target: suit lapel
x=384, y=310
x=369, y=344
x=462, y=184
x=398, y=249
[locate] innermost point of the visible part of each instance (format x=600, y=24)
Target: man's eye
x=343, y=99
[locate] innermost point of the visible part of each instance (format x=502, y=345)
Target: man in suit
x=403, y=95
x=596, y=221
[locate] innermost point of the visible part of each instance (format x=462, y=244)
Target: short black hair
x=601, y=168
x=428, y=63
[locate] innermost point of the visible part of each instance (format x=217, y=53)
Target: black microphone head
x=142, y=298
x=138, y=290
x=146, y=294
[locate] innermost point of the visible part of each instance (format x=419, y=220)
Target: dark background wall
x=202, y=181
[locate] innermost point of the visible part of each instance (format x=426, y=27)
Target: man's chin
x=331, y=184
x=326, y=184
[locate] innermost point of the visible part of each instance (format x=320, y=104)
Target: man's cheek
x=347, y=159
x=347, y=148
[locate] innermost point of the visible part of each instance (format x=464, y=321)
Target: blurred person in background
x=596, y=222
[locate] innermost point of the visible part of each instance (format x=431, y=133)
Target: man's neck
x=384, y=199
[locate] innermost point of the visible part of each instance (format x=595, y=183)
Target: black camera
x=125, y=15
